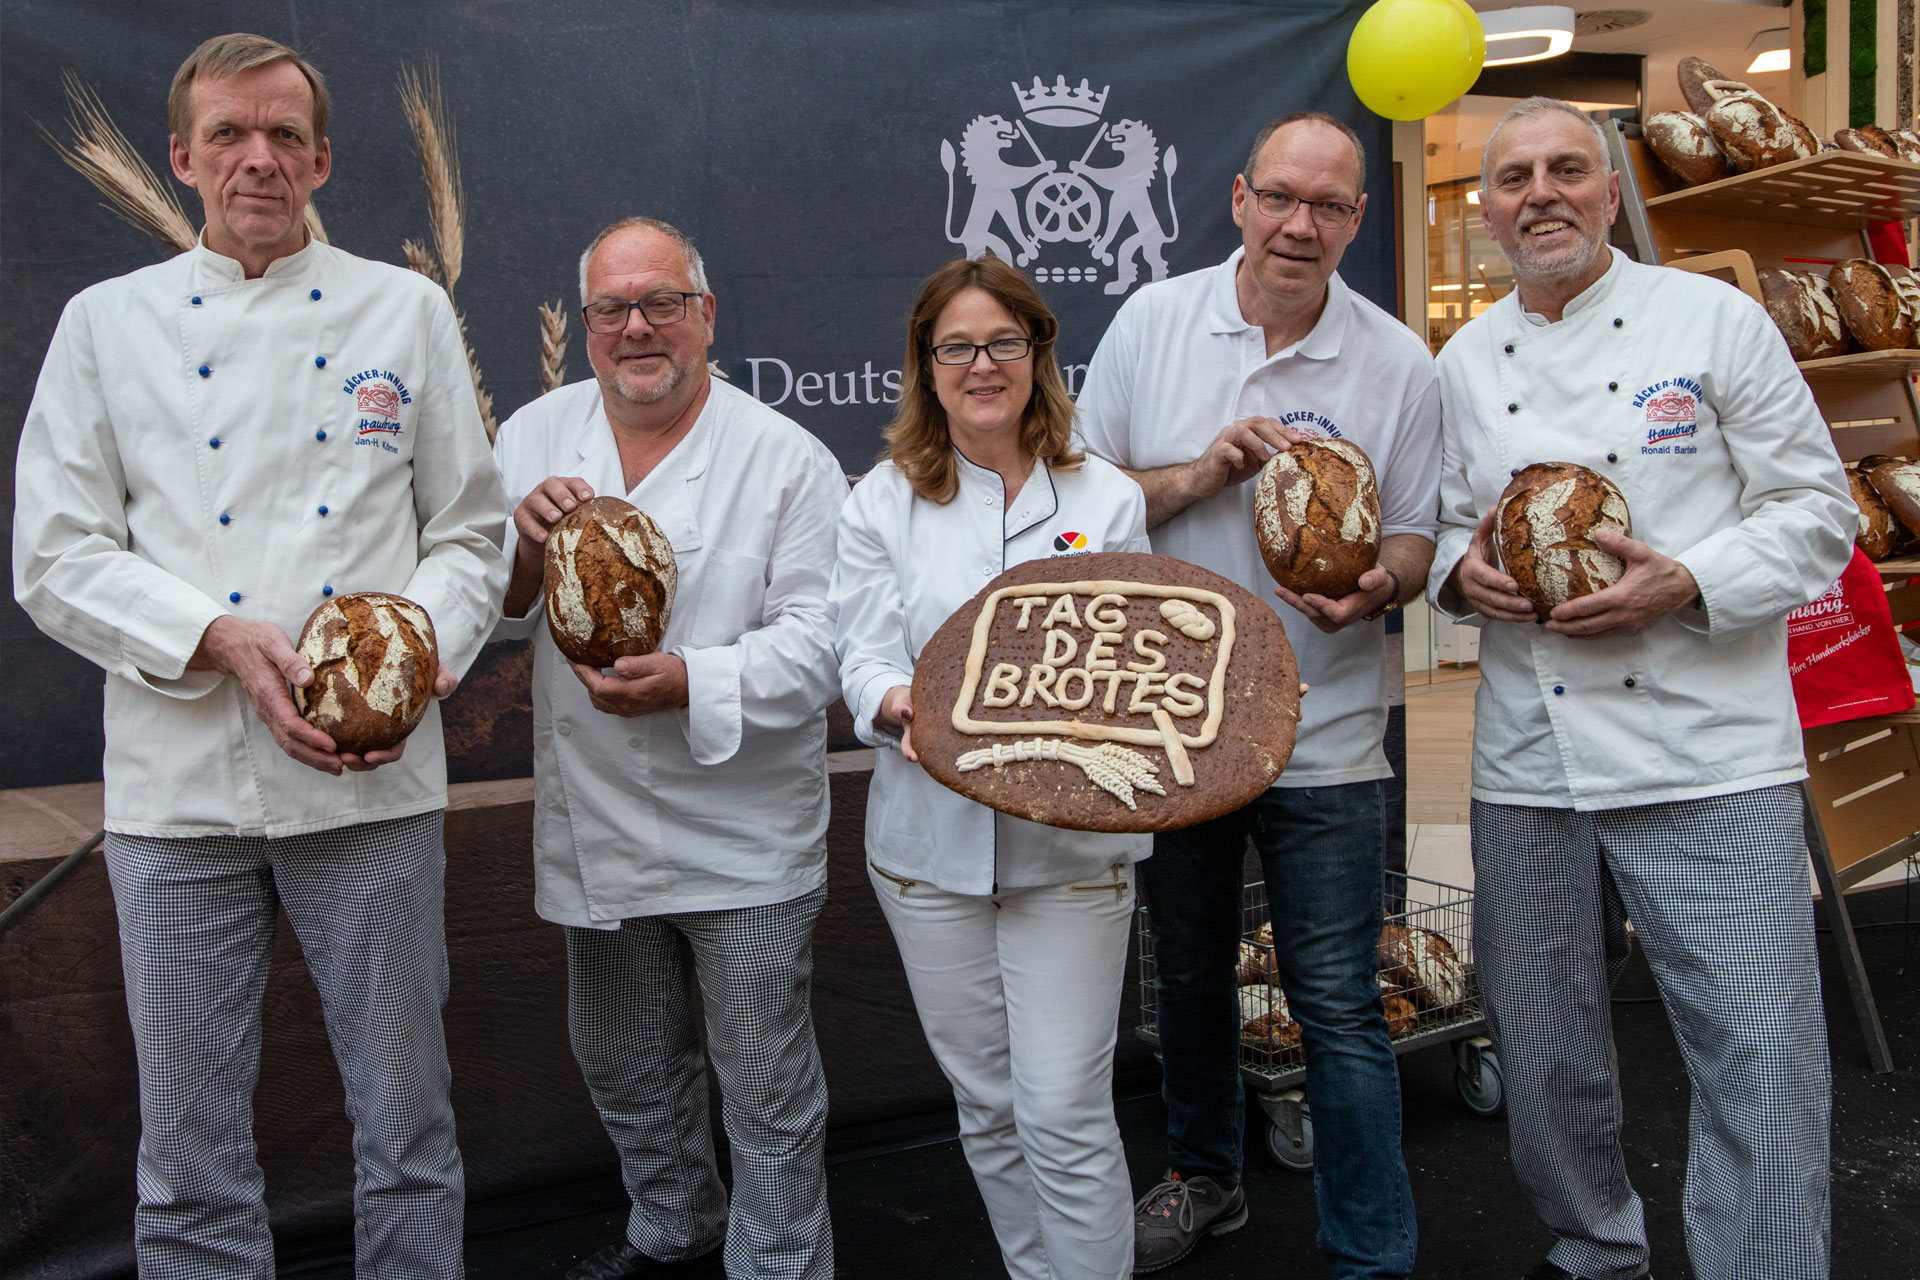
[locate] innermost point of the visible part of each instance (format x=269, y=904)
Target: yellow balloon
x=1476, y=33
x=1409, y=58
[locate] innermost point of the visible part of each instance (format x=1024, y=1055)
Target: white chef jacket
x=1177, y=365
x=905, y=565
x=200, y=443
x=721, y=804
x=1681, y=391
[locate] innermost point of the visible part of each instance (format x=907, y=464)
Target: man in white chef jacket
x=1634, y=753
x=680, y=806
x=1197, y=381
x=216, y=445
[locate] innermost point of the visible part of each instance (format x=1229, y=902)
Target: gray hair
x=696, y=266
x=1272, y=127
x=1540, y=104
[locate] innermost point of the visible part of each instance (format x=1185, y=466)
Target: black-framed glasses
x=1279, y=205
x=659, y=309
x=1000, y=350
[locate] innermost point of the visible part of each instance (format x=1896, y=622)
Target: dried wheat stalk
x=433, y=137
x=553, y=345
x=421, y=260
x=101, y=154
x=312, y=218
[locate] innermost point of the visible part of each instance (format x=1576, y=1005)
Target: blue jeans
x=1320, y=848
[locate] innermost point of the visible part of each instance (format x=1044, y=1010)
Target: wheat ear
x=553, y=345
x=101, y=154
x=433, y=137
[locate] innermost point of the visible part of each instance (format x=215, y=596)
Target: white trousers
x=1019, y=996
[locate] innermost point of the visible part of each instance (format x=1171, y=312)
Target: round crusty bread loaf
x=374, y=662
x=1755, y=134
x=1879, y=304
x=1316, y=516
x=1544, y=527
x=1695, y=75
x=1897, y=481
x=1906, y=144
x=1275, y=1032
x=1802, y=306
x=1687, y=147
x=1868, y=139
x=610, y=580
x=1399, y=1009
x=1875, y=533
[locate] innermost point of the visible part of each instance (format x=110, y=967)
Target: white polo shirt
x=1178, y=364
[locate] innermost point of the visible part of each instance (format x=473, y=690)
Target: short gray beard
x=1528, y=273
x=653, y=395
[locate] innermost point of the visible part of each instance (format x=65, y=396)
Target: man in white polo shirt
x=1196, y=382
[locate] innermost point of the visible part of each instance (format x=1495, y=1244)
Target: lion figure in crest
x=996, y=180
x=1131, y=182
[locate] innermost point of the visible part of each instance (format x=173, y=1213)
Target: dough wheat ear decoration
x=101, y=154
x=1115, y=769
x=433, y=137
x=553, y=345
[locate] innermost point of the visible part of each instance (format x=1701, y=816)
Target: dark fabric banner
x=825, y=158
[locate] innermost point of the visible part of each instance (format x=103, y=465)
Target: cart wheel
x=1482, y=1087
x=1290, y=1135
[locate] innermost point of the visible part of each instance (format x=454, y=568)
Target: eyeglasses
x=1000, y=350
x=659, y=309
x=1279, y=205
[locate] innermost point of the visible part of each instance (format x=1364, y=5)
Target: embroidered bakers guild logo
x=1307, y=422
x=377, y=397
x=1672, y=413
x=1069, y=541
x=1110, y=673
x=1081, y=206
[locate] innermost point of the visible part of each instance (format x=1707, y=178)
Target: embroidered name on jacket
x=1672, y=409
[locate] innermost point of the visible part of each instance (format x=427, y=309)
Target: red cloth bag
x=1843, y=653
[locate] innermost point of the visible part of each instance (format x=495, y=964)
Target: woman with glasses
x=1013, y=935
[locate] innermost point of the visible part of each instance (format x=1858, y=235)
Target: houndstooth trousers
x=630, y=1012
x=1717, y=892
x=196, y=933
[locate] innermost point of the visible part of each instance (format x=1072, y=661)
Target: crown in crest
x=1059, y=105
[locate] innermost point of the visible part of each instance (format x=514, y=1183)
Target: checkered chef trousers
x=1717, y=892
x=196, y=934
x=631, y=1015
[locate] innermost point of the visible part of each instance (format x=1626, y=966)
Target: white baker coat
x=202, y=443
x=905, y=565
x=1752, y=500
x=721, y=804
x=1177, y=365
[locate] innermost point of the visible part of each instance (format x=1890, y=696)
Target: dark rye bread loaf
x=1687, y=148
x=610, y=579
x=1869, y=139
x=1803, y=307
x=1879, y=303
x=374, y=662
x=1108, y=692
x=1316, y=516
x=1876, y=528
x=1695, y=74
x=1544, y=528
x=1755, y=134
x=1897, y=481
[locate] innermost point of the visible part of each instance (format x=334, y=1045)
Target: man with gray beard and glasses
x=1635, y=751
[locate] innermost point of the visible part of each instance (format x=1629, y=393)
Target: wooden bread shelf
x=1899, y=567
x=1864, y=365
x=1842, y=189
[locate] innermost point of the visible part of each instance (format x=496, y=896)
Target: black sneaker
x=1170, y=1219
x=620, y=1260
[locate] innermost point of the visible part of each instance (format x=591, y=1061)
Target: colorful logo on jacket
x=1672, y=413
x=377, y=397
x=1309, y=423
x=1069, y=541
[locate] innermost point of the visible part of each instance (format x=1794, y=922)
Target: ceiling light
x=1527, y=34
x=1771, y=46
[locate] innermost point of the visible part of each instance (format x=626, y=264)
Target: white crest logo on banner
x=1083, y=204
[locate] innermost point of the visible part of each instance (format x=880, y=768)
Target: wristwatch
x=1393, y=601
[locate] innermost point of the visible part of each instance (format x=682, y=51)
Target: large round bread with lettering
x=1879, y=303
x=610, y=580
x=1544, y=529
x=1108, y=692
x=1897, y=481
x=1316, y=516
x=1755, y=134
x=1802, y=306
x=1874, y=536
x=374, y=662
x=1687, y=147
